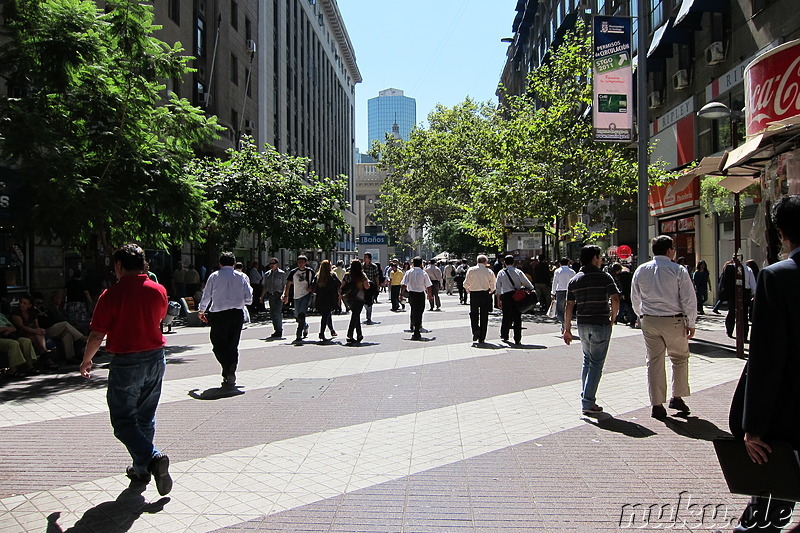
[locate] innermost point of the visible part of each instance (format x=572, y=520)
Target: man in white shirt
x=561, y=278
x=479, y=284
x=227, y=292
x=418, y=284
x=435, y=275
x=663, y=297
x=509, y=280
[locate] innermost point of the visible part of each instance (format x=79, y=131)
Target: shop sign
x=669, y=226
x=772, y=87
x=686, y=224
x=612, y=68
x=624, y=251
x=666, y=199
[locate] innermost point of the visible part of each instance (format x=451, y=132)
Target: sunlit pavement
x=389, y=435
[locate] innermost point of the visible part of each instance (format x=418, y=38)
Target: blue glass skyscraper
x=384, y=110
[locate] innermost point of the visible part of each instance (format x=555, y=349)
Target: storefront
x=676, y=207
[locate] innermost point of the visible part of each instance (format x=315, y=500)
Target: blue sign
x=372, y=239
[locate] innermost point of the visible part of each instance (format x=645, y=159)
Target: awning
x=739, y=177
x=700, y=6
x=665, y=36
x=737, y=184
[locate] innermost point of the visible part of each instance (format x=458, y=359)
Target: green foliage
x=100, y=150
x=535, y=158
x=273, y=195
x=452, y=236
x=717, y=199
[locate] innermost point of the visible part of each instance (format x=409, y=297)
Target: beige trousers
x=68, y=335
x=19, y=351
x=662, y=336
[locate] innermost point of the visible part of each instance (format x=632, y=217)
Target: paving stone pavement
x=391, y=435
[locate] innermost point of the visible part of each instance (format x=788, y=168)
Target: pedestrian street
x=389, y=435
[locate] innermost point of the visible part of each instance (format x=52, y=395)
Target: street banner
x=613, y=79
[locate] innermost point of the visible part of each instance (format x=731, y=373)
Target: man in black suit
x=764, y=408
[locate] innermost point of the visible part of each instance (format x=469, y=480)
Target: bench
x=190, y=308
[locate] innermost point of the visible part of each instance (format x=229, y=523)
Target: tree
x=534, y=158
x=273, y=195
x=100, y=150
x=452, y=236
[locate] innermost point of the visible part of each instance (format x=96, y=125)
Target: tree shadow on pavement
x=46, y=385
x=114, y=516
x=607, y=422
x=694, y=427
x=216, y=393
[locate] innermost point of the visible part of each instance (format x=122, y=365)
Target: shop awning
x=737, y=178
x=700, y=6
x=665, y=36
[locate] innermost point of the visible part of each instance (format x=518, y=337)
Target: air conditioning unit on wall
x=680, y=80
x=715, y=53
x=654, y=100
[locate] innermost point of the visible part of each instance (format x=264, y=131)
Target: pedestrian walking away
x=623, y=279
x=508, y=281
x=373, y=274
x=662, y=295
x=458, y=279
x=227, y=292
x=326, y=288
x=128, y=314
x=355, y=290
x=558, y=291
x=272, y=293
x=256, y=279
x=435, y=276
x=764, y=409
x=418, y=285
x=480, y=283
x=299, y=285
x=395, y=285
x=588, y=294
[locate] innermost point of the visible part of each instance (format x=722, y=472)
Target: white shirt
x=416, y=280
x=255, y=276
x=480, y=278
x=434, y=273
x=749, y=278
x=663, y=288
x=226, y=289
x=561, y=278
x=510, y=279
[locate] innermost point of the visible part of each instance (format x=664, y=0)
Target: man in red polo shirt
x=130, y=314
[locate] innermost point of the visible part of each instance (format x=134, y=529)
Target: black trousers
x=226, y=329
x=480, y=303
x=512, y=318
x=395, y=296
x=730, y=318
x=417, y=302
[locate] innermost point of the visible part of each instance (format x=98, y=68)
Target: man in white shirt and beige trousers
x=663, y=297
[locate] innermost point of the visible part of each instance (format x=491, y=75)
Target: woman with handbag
x=354, y=290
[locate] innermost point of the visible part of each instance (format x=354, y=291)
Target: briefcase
x=779, y=477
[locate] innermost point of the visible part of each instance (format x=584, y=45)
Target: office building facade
x=390, y=107
x=697, y=52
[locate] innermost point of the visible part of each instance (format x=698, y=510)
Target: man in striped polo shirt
x=588, y=294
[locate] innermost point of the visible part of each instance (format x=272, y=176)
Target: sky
x=436, y=51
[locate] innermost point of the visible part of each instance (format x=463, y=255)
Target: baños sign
x=772, y=87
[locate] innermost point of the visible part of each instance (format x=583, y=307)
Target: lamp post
x=716, y=111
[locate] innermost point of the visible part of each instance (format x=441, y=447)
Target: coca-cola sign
x=772, y=87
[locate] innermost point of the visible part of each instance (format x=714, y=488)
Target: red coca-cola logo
x=772, y=87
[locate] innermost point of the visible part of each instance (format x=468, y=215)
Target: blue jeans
x=594, y=342
x=300, y=312
x=134, y=388
x=276, y=311
x=561, y=305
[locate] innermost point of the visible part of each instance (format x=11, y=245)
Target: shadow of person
x=216, y=393
x=608, y=423
x=487, y=346
x=694, y=427
x=526, y=347
x=115, y=516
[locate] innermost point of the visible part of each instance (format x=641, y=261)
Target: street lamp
x=716, y=111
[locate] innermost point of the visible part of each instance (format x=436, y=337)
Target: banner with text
x=613, y=79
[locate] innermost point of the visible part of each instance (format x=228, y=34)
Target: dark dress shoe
x=679, y=405
x=159, y=467
x=130, y=472
x=658, y=412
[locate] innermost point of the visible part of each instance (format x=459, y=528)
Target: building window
x=234, y=15
x=174, y=11
x=247, y=81
x=248, y=29
x=200, y=93
x=656, y=14
x=200, y=37
x=234, y=123
x=234, y=70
